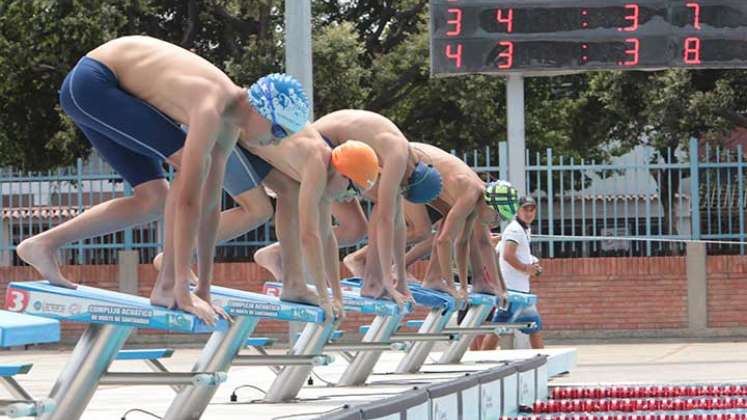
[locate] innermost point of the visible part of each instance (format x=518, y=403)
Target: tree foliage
x=367, y=54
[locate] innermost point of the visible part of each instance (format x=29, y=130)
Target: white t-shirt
x=515, y=279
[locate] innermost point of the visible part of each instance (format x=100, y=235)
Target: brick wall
x=595, y=294
x=727, y=291
x=613, y=293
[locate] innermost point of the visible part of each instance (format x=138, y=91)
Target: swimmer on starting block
x=403, y=173
x=465, y=211
x=245, y=170
x=129, y=97
x=326, y=176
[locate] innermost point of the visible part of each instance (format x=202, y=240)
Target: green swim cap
x=503, y=197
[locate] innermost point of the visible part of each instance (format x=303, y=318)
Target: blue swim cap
x=503, y=197
x=424, y=184
x=281, y=99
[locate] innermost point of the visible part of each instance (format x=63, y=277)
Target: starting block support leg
x=217, y=356
x=415, y=357
x=15, y=389
x=90, y=359
x=476, y=315
x=363, y=363
x=291, y=379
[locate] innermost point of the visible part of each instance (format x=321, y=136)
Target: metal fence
x=652, y=200
x=643, y=194
x=33, y=202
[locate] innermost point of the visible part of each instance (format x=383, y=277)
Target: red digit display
x=632, y=53
x=454, y=55
x=506, y=18
x=506, y=58
x=696, y=14
x=456, y=21
x=633, y=13
x=692, y=50
x=544, y=36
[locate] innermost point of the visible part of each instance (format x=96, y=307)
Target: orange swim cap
x=357, y=161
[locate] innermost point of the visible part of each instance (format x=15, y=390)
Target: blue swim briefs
x=244, y=171
x=135, y=137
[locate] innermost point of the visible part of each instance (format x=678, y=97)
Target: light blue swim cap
x=281, y=99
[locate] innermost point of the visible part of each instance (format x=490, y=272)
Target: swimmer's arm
x=484, y=259
x=452, y=225
x=313, y=184
x=208, y=233
x=387, y=211
x=463, y=249
x=331, y=254
x=509, y=255
x=400, y=247
x=194, y=164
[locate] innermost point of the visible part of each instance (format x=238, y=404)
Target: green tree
x=41, y=40
x=367, y=54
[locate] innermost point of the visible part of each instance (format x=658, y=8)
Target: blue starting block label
x=482, y=299
x=422, y=296
x=241, y=303
x=353, y=301
x=99, y=306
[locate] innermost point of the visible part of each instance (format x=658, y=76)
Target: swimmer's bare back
x=168, y=77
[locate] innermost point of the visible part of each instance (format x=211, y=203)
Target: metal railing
x=643, y=194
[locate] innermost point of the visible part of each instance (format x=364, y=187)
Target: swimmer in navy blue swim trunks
x=129, y=97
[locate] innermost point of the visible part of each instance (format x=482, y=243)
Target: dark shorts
x=244, y=171
x=132, y=135
x=434, y=215
x=135, y=137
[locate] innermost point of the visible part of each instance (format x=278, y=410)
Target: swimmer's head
x=503, y=198
x=280, y=99
x=358, y=162
x=424, y=185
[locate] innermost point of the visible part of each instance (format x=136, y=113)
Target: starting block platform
x=434, y=328
x=442, y=307
x=362, y=357
x=479, y=308
x=222, y=349
x=23, y=330
x=111, y=317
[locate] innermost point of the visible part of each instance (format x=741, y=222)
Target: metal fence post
x=79, y=187
x=128, y=230
x=550, y=198
x=740, y=194
x=694, y=190
x=503, y=160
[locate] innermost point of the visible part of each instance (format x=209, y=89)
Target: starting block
x=221, y=350
x=21, y=330
x=441, y=305
x=111, y=316
x=479, y=307
x=362, y=357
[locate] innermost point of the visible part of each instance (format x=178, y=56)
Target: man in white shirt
x=517, y=265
